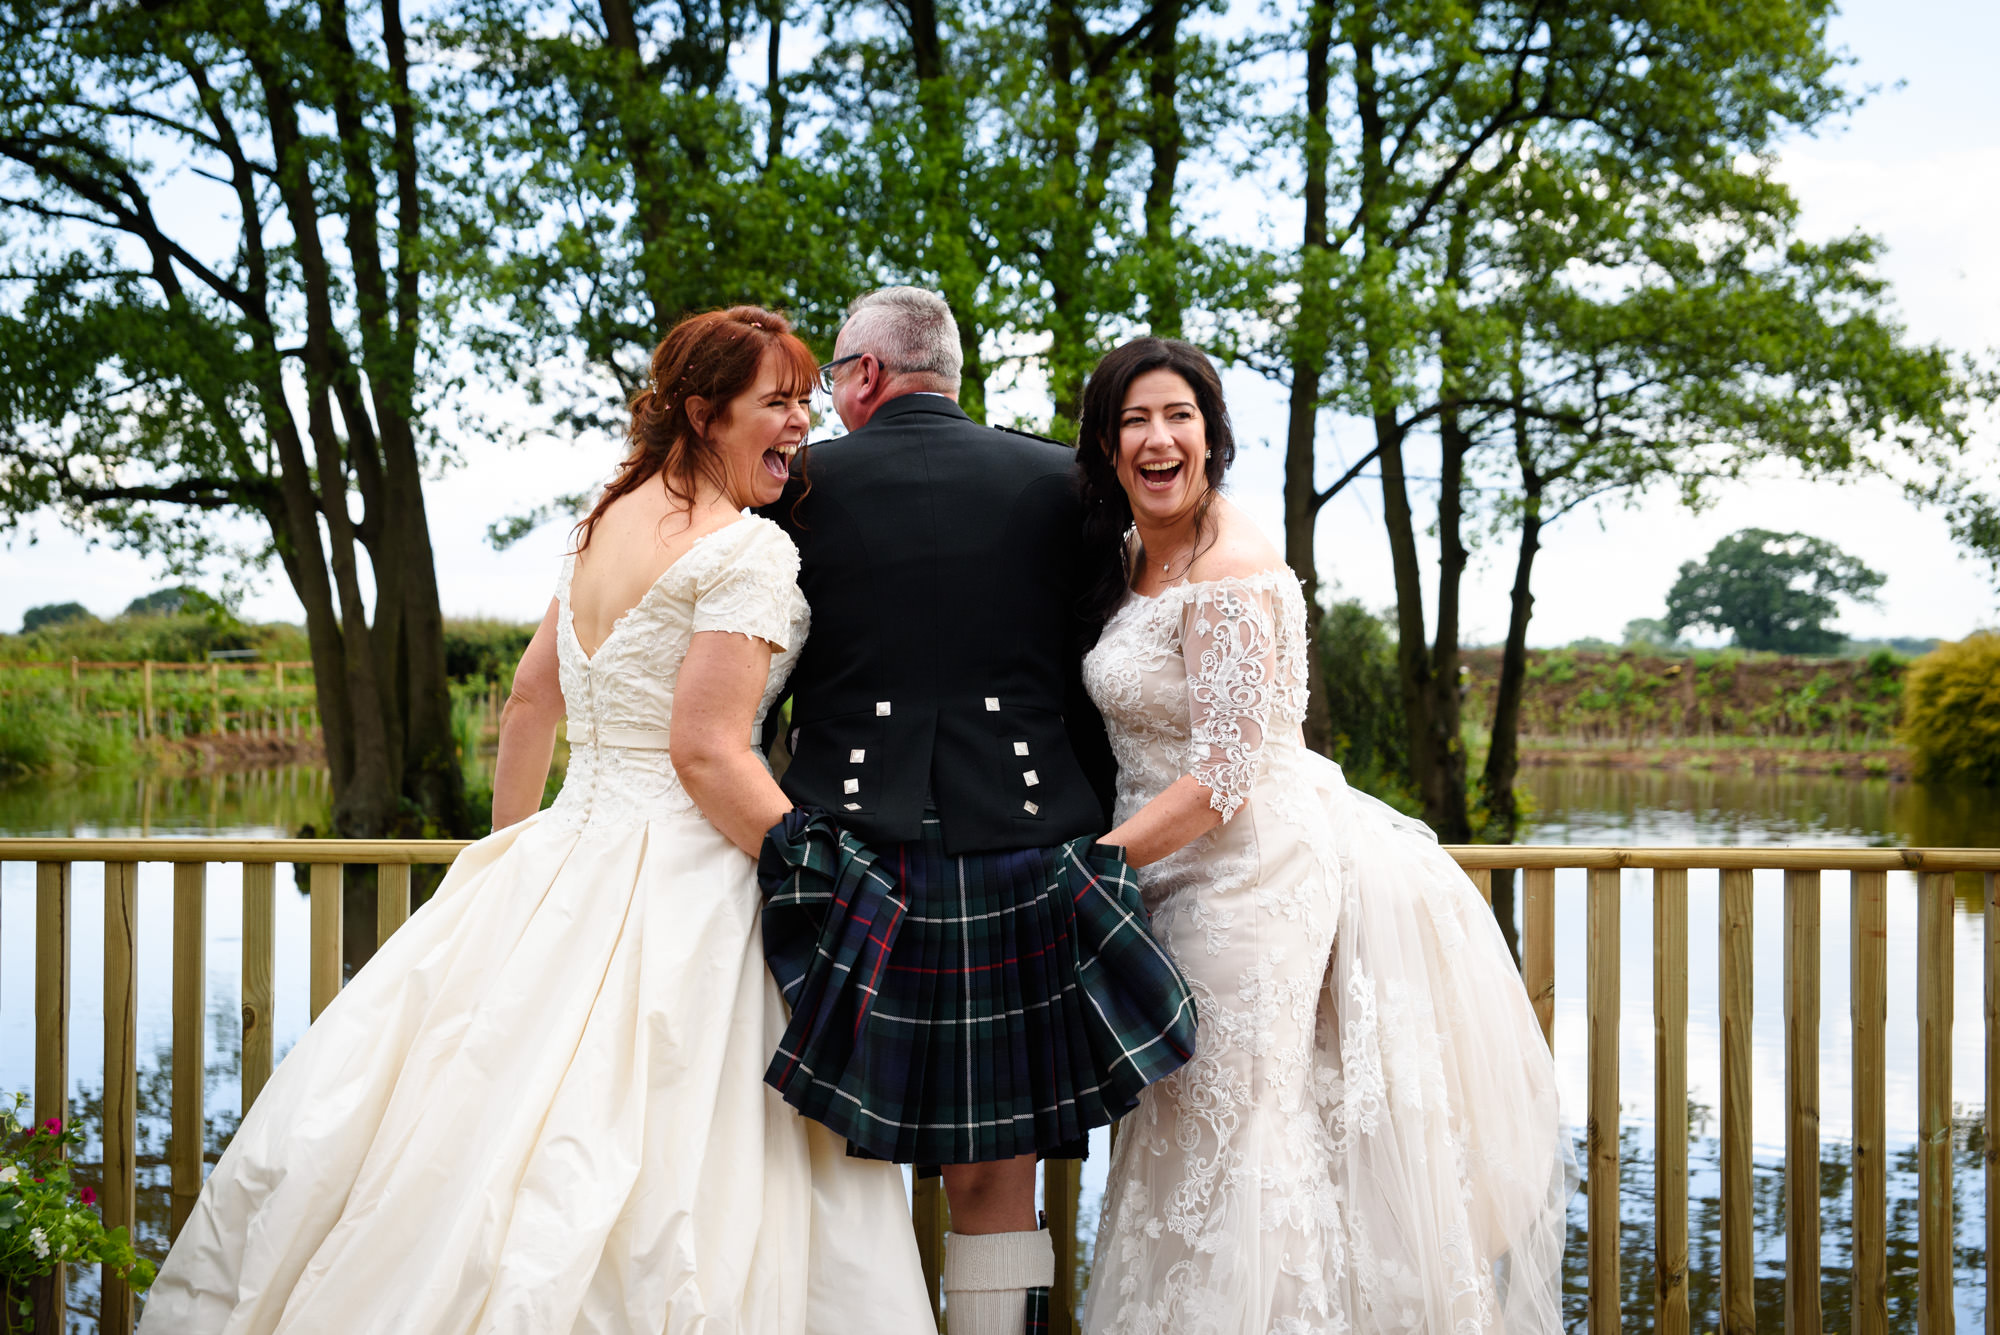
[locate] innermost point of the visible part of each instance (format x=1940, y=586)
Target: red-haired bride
x=541, y=1108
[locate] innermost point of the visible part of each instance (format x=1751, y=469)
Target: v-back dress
x=540, y=1108
x=1367, y=1137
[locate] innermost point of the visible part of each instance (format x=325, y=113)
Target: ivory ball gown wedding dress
x=541, y=1108
x=1367, y=1138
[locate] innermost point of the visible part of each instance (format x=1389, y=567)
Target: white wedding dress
x=1367, y=1138
x=541, y=1109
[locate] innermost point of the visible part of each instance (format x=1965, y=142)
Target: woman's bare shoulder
x=1240, y=548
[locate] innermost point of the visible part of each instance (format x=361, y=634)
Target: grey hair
x=910, y=329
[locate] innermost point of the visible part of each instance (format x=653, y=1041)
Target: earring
x=1206, y=453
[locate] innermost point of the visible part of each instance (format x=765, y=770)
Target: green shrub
x=484, y=650
x=1364, y=697
x=1951, y=711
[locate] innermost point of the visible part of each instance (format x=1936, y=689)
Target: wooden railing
x=1802, y=868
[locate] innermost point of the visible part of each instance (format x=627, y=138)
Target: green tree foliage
x=1775, y=591
x=1547, y=244
x=1951, y=711
x=223, y=280
x=174, y=600
x=1648, y=633
x=53, y=614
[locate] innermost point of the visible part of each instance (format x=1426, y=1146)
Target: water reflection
x=1586, y=804
x=262, y=802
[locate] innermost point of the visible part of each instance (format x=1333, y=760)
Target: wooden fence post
x=1802, y=1239
x=931, y=1217
x=326, y=926
x=1538, y=945
x=190, y=980
x=1670, y=1113
x=1992, y=963
x=146, y=694
x=52, y=980
x=1739, y=1296
x=259, y=957
x=1601, y=1171
x=1062, y=1187
x=392, y=899
x=1868, y=993
x=1934, y=1243
x=121, y=1079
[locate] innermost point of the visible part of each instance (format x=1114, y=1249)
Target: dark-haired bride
x=540, y=1110
x=1367, y=1138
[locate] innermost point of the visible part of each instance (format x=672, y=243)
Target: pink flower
x=88, y=1196
x=53, y=1126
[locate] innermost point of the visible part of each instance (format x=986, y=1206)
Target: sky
x=1917, y=164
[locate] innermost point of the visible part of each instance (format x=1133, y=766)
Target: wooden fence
x=1669, y=867
x=275, y=684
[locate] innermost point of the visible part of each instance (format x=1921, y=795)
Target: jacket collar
x=906, y=404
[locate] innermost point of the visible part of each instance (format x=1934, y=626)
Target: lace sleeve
x=1229, y=641
x=755, y=590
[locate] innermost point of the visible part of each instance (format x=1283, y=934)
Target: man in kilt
x=972, y=977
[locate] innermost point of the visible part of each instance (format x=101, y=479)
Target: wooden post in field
x=1601, y=1143
x=1739, y=1298
x=1934, y=1243
x=1868, y=992
x=1538, y=945
x=146, y=695
x=1802, y=1240
x=1670, y=1116
x=214, y=694
x=52, y=966
x=189, y=1126
x=259, y=955
x=121, y=1078
x=325, y=944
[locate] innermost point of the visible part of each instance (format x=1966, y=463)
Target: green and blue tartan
x=964, y=1009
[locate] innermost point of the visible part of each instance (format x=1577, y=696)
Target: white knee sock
x=987, y=1277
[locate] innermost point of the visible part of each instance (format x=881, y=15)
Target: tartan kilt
x=964, y=1009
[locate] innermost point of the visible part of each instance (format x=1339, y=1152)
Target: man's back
x=939, y=559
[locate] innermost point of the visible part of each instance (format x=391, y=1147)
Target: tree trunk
x=1164, y=140
x=1302, y=498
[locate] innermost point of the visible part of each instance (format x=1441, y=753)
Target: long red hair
x=714, y=356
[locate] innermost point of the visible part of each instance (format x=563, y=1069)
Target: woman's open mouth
x=778, y=461
x=1160, y=474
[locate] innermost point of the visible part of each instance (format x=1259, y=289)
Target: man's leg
x=995, y=1253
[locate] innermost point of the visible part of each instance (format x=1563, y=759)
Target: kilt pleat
x=968, y=1008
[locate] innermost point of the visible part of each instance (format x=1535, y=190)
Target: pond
x=1571, y=804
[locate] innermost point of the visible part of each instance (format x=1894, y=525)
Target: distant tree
x=1773, y=590
x=1649, y=633
x=53, y=614
x=173, y=601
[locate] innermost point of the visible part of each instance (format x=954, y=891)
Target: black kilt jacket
x=944, y=665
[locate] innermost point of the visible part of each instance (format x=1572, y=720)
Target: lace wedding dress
x=1367, y=1138
x=541, y=1109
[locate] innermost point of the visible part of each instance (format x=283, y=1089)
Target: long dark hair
x=713, y=356
x=1107, y=514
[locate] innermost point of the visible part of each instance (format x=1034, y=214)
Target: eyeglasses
x=826, y=376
